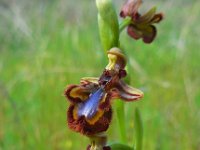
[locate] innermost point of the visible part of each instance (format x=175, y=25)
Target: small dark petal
x=145, y=18
x=147, y=33
x=82, y=126
x=88, y=148
x=125, y=11
x=122, y=73
x=134, y=32
x=130, y=8
x=106, y=148
x=122, y=14
x=157, y=18
x=150, y=35
x=136, y=17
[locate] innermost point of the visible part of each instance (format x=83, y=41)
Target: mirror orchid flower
x=90, y=110
x=141, y=26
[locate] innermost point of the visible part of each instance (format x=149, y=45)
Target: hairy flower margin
x=141, y=26
x=90, y=110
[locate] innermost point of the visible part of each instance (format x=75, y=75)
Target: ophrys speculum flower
x=141, y=26
x=90, y=110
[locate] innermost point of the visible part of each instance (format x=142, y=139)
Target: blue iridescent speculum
x=90, y=106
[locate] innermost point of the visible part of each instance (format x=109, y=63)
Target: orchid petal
x=146, y=32
x=79, y=93
x=156, y=18
x=134, y=32
x=144, y=19
x=81, y=125
x=149, y=34
x=130, y=8
x=87, y=80
x=126, y=92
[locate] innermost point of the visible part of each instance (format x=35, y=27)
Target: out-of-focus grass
x=46, y=45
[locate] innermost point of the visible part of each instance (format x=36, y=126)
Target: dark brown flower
x=90, y=110
x=141, y=26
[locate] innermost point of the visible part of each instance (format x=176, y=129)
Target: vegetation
x=46, y=45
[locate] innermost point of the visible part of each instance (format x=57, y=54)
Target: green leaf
x=119, y=146
x=138, y=130
x=108, y=24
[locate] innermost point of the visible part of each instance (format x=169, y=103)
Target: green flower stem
x=98, y=141
x=121, y=120
x=138, y=130
x=109, y=35
x=124, y=24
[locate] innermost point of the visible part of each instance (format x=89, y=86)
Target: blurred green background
x=47, y=44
